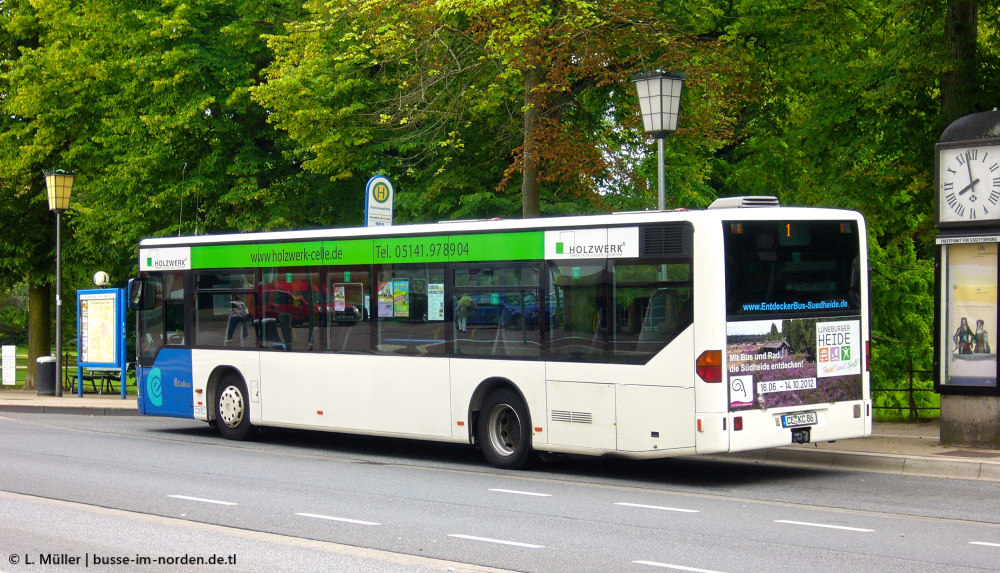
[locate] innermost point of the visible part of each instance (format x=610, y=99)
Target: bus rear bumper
x=757, y=429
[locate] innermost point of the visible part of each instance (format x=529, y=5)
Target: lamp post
x=59, y=185
x=660, y=104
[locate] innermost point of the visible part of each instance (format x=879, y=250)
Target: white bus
x=641, y=334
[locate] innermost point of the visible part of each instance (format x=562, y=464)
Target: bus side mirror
x=140, y=296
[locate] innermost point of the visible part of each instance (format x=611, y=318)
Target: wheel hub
x=504, y=429
x=231, y=407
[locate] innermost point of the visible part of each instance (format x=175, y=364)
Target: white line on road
x=841, y=527
x=342, y=519
x=984, y=543
x=661, y=508
x=675, y=567
x=514, y=491
x=498, y=541
x=203, y=500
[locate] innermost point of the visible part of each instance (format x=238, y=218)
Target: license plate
x=799, y=419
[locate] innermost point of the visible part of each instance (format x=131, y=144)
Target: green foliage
x=215, y=116
x=902, y=309
x=14, y=315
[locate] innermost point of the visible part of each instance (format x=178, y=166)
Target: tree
x=150, y=106
x=461, y=100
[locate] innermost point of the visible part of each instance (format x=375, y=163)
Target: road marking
x=497, y=541
x=984, y=543
x=234, y=535
x=342, y=519
x=515, y=492
x=203, y=500
x=675, y=567
x=661, y=508
x=841, y=527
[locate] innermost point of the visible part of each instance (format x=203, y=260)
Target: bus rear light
x=319, y=412
x=461, y=423
x=737, y=423
x=701, y=425
x=709, y=366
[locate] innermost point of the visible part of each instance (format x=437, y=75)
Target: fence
x=918, y=381
x=68, y=376
x=904, y=399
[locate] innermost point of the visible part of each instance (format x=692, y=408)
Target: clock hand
x=967, y=187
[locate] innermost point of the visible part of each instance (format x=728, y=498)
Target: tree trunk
x=530, y=188
x=39, y=327
x=958, y=86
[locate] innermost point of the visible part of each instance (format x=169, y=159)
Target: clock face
x=969, y=183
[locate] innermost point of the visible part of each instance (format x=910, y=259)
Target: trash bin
x=45, y=376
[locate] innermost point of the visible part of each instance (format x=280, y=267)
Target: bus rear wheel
x=505, y=430
x=232, y=410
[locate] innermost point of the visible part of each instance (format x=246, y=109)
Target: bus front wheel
x=232, y=411
x=505, y=430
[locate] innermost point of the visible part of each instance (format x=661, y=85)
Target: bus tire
x=232, y=408
x=504, y=430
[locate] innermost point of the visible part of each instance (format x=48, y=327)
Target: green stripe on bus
x=489, y=247
x=521, y=246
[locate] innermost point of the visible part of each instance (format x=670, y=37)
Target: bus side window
x=654, y=304
x=348, y=311
x=173, y=308
x=410, y=310
x=578, y=306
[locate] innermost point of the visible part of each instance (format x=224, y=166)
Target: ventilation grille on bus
x=575, y=417
x=671, y=239
x=746, y=202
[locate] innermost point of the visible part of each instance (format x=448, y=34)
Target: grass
x=21, y=371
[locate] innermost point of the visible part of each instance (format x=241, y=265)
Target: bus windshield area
x=800, y=267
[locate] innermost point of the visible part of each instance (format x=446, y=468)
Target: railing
x=924, y=384
x=68, y=376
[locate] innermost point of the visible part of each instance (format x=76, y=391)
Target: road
x=110, y=489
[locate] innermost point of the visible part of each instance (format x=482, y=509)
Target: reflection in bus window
x=578, y=309
x=497, y=323
x=410, y=309
x=653, y=304
x=291, y=309
x=226, y=310
x=347, y=314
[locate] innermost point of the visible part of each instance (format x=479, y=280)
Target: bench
x=107, y=379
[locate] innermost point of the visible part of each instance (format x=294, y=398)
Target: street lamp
x=60, y=186
x=660, y=104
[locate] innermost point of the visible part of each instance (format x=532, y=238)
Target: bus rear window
x=809, y=267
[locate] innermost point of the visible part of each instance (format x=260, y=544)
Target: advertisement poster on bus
x=778, y=363
x=385, y=300
x=401, y=299
x=435, y=301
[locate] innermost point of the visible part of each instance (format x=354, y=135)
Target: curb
x=71, y=410
x=872, y=462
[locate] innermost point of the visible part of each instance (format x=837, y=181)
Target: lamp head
x=659, y=101
x=60, y=186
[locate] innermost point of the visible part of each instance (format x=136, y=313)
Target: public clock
x=969, y=183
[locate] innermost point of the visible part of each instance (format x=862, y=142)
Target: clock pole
x=967, y=216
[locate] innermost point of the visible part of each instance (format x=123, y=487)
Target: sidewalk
x=896, y=448
x=68, y=403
